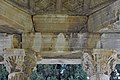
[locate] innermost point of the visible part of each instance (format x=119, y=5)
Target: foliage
x=118, y=68
x=58, y=72
x=3, y=73
x=114, y=75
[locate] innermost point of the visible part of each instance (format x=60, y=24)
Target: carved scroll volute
x=14, y=59
x=16, y=76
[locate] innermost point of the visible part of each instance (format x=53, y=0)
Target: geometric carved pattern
x=73, y=6
x=21, y=3
x=70, y=7
x=45, y=6
x=94, y=3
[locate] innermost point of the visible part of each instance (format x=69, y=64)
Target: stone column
x=37, y=45
x=30, y=59
x=20, y=64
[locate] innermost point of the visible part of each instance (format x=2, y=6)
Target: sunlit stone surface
x=37, y=42
x=84, y=30
x=60, y=43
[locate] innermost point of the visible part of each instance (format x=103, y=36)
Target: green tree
x=74, y=72
x=58, y=72
x=3, y=72
x=113, y=75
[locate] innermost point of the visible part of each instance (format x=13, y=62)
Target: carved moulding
x=19, y=63
x=102, y=60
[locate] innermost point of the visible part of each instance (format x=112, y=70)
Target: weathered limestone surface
x=92, y=40
x=14, y=59
x=61, y=43
x=110, y=41
x=51, y=45
x=77, y=41
x=61, y=55
x=30, y=61
x=60, y=61
x=104, y=58
x=19, y=63
x=88, y=64
x=27, y=40
x=100, y=62
x=55, y=40
x=14, y=17
x=48, y=41
x=6, y=41
x=58, y=23
x=104, y=17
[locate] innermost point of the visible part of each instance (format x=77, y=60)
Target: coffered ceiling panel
x=69, y=7
x=21, y=3
x=45, y=6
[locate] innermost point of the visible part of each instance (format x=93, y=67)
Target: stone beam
x=101, y=6
x=61, y=55
x=58, y=23
x=104, y=17
x=60, y=61
x=15, y=18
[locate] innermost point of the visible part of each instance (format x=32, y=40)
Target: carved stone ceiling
x=69, y=7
